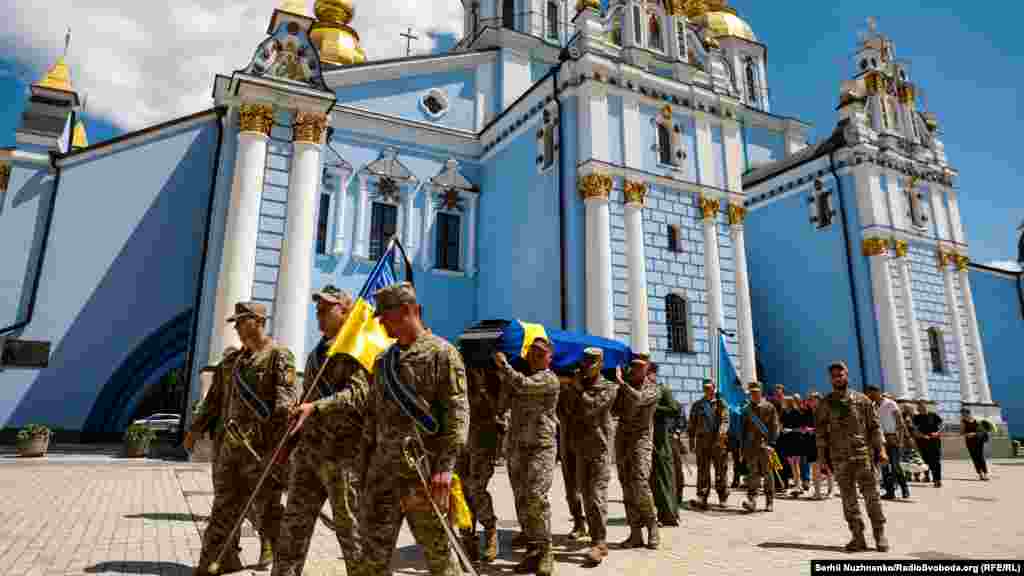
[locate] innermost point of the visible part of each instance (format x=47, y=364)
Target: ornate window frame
x=665, y=124
x=916, y=211
x=440, y=95
x=656, y=16
x=452, y=193
x=386, y=166
x=336, y=175
x=937, y=351
x=617, y=24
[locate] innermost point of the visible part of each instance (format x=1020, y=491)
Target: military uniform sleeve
x=351, y=397
x=723, y=419
x=821, y=427
x=693, y=425
x=455, y=404
x=773, y=426
x=873, y=427
x=368, y=443
x=599, y=398
x=287, y=392
x=540, y=383
x=210, y=408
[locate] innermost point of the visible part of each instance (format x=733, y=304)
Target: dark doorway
x=508, y=14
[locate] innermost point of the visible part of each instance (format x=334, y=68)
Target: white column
x=632, y=151
x=428, y=225
x=890, y=344
x=360, y=246
x=939, y=215
x=238, y=258
x=705, y=150
x=340, y=200
x=917, y=367
x=635, y=195
x=897, y=200
x=955, y=225
x=595, y=189
x=515, y=76
x=407, y=234
x=748, y=364
x=871, y=202
x=966, y=395
x=712, y=272
x=471, y=202
x=291, y=311
x=982, y=389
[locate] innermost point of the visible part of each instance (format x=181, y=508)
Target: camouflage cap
x=393, y=296
x=754, y=386
x=593, y=353
x=248, y=309
x=333, y=295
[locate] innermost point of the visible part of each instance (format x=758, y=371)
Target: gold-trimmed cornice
x=596, y=185
x=875, y=246
x=736, y=214
x=634, y=192
x=5, y=176
x=944, y=258
x=309, y=127
x=900, y=247
x=257, y=118
x=709, y=207
x=961, y=262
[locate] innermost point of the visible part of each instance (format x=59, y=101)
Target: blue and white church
x=614, y=170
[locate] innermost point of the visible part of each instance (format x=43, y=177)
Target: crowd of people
x=401, y=441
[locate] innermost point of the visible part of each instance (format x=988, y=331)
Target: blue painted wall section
x=401, y=97
x=1001, y=323
x=23, y=216
x=105, y=291
x=869, y=327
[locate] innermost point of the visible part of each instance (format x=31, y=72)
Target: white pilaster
x=890, y=349
x=632, y=149
x=748, y=364
x=515, y=76
x=982, y=390
x=966, y=394
x=484, y=95
x=917, y=366
x=291, y=311
x=595, y=189
x=871, y=202
x=896, y=201
x=593, y=123
x=635, y=194
x=429, y=212
x=955, y=225
x=733, y=158
x=408, y=234
x=471, y=203
x=712, y=272
x=705, y=150
x=361, y=246
x=340, y=200
x=238, y=260
x=939, y=215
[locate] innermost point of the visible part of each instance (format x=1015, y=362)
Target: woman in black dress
x=975, y=437
x=791, y=446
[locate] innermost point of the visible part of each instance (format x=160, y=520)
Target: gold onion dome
x=582, y=5
x=295, y=7
x=79, y=138
x=336, y=41
x=57, y=78
x=721, y=20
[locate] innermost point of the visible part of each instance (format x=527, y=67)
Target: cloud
x=1008, y=265
x=147, y=62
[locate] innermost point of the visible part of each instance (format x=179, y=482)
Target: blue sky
x=967, y=61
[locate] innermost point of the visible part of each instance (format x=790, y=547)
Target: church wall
x=869, y=323
x=402, y=97
x=23, y=210
x=615, y=129
x=646, y=132
x=519, y=235
x=763, y=145
x=105, y=290
x=718, y=154
x=575, y=220
x=1001, y=323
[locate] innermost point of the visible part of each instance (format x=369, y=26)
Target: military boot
x=546, y=564
x=230, y=563
x=881, y=542
x=531, y=562
x=470, y=544
x=636, y=538
x=520, y=540
x=750, y=504
x=490, y=544
x=266, y=554
x=579, y=529
x=597, y=553
x=653, y=538
x=857, y=544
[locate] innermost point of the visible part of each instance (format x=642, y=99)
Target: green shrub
x=139, y=433
x=33, y=431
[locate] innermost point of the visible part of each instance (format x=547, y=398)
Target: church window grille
x=448, y=228
x=822, y=211
x=750, y=68
x=681, y=33
x=552, y=20
x=383, y=225
x=547, y=145
x=664, y=145
x=637, y=26
x=917, y=214
x=675, y=238
x=680, y=336
x=322, y=218
x=654, y=32
x=937, y=349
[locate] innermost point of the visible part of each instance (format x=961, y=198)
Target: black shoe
x=889, y=496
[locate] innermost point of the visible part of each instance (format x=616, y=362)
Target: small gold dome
x=336, y=41
x=78, y=138
x=582, y=5
x=58, y=77
x=295, y=7
x=725, y=22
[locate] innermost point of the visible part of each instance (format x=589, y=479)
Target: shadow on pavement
x=799, y=546
x=141, y=567
x=175, y=516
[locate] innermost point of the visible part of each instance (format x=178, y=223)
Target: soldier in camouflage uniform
x=634, y=449
x=848, y=434
x=760, y=429
x=476, y=465
x=260, y=389
x=533, y=428
x=567, y=449
x=591, y=402
x=429, y=372
x=708, y=430
x=326, y=464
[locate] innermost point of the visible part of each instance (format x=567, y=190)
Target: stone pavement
x=99, y=514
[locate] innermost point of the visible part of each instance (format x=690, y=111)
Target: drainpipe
x=849, y=269
x=563, y=57
x=197, y=305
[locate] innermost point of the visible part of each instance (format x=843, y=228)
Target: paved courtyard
x=94, y=513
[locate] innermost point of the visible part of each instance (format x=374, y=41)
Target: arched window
x=664, y=144
x=637, y=27
x=681, y=33
x=553, y=20
x=677, y=311
x=750, y=70
x=937, y=349
x=654, y=32
x=615, y=35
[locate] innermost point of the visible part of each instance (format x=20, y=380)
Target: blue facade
x=114, y=300
x=997, y=302
x=401, y=97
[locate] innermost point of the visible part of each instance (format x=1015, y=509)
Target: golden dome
x=295, y=7
x=725, y=22
x=58, y=78
x=78, y=138
x=582, y=5
x=336, y=41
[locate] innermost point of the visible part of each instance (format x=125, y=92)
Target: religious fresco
x=288, y=54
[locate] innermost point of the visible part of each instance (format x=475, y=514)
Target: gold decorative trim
x=309, y=127
x=257, y=118
x=873, y=83
x=595, y=185
x=582, y=5
x=5, y=176
x=666, y=113
x=875, y=246
x=736, y=214
x=906, y=93
x=635, y=192
x=899, y=247
x=961, y=262
x=944, y=258
x=709, y=207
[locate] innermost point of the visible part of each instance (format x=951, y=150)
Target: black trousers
x=977, y=451
x=892, y=473
x=931, y=453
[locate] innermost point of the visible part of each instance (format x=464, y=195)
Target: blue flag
x=731, y=390
x=382, y=275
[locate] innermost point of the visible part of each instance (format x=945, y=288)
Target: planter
x=33, y=447
x=136, y=448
